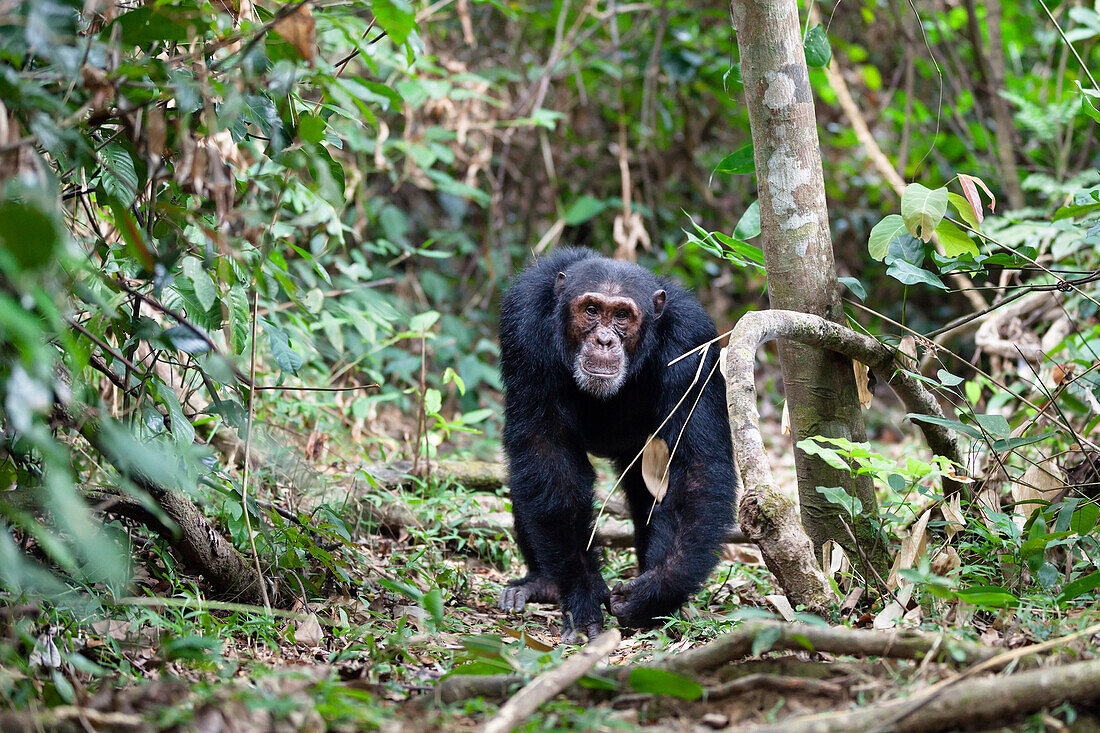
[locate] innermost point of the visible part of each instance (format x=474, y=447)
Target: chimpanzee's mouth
x=602, y=371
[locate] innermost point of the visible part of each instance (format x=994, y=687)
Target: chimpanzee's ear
x=559, y=284
x=658, y=303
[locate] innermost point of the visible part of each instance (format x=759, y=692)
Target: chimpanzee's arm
x=552, y=504
x=686, y=530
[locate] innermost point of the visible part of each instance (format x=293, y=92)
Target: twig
x=247, y=450
x=550, y=683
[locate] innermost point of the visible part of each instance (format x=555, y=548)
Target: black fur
x=551, y=426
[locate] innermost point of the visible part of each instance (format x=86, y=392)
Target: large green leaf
x=396, y=17
x=922, y=209
x=28, y=233
x=883, y=233
x=954, y=240
x=662, y=682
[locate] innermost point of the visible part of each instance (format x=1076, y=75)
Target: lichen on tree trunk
x=819, y=385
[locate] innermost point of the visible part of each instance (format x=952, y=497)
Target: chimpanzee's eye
x=590, y=310
x=622, y=313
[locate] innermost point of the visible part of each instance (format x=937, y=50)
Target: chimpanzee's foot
x=635, y=603
x=580, y=633
x=533, y=589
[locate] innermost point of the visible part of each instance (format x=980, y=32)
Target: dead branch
x=990, y=699
x=767, y=517
x=837, y=640
x=550, y=683
x=460, y=687
x=66, y=717
x=1003, y=333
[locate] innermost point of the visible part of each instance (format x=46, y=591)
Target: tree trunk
x=798, y=254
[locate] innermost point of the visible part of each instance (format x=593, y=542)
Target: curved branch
x=759, y=327
x=767, y=517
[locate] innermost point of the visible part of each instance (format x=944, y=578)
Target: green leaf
x=878, y=245
x=840, y=497
x=311, y=128
x=1084, y=519
x=182, y=429
x=923, y=209
x=946, y=423
x=947, y=379
x=662, y=682
x=28, y=233
x=420, y=323
x=766, y=639
x=433, y=401
x=433, y=604
x=285, y=357
x=855, y=286
x=994, y=424
x=749, y=224
x=1007, y=444
x=583, y=209
x=955, y=241
x=205, y=290
x=396, y=17
x=909, y=274
x=738, y=162
x=185, y=339
x=1080, y=587
x=118, y=175
x=966, y=211
x=818, y=51
x=153, y=23
x=990, y=596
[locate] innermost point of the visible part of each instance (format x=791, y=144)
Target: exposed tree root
x=200, y=546
x=967, y=703
x=738, y=644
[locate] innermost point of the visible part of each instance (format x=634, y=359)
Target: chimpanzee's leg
x=679, y=545
x=552, y=505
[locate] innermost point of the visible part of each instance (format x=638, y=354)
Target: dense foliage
x=299, y=216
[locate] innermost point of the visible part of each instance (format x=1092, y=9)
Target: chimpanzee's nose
x=604, y=337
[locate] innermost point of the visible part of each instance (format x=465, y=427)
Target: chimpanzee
x=585, y=343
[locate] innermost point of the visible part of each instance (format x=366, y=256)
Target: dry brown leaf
x=863, y=383
x=912, y=547
x=782, y=606
x=908, y=347
x=834, y=559
x=722, y=353
x=655, y=467
x=952, y=514
x=308, y=631
x=889, y=616
x=747, y=554
x=300, y=30
x=945, y=561
x=785, y=422
x=1042, y=481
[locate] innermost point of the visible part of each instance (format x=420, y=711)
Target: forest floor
x=408, y=606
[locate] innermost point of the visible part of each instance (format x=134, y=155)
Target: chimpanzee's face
x=603, y=331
